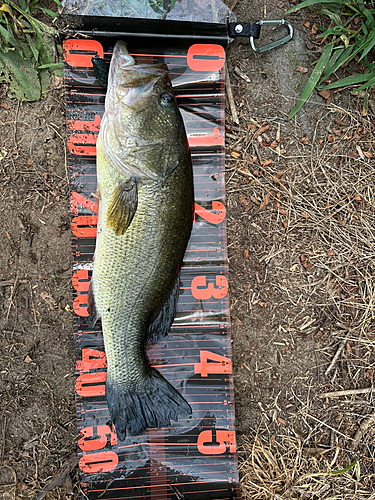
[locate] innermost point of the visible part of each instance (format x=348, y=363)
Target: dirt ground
x=300, y=216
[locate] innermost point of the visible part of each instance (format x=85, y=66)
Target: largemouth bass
x=145, y=192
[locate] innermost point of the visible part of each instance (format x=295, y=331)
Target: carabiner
x=277, y=43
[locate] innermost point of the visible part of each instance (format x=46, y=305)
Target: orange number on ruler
x=215, y=217
x=84, y=220
x=205, y=57
x=82, y=144
x=81, y=284
x=102, y=461
x=207, y=446
x=214, y=139
x=91, y=358
x=91, y=384
x=88, y=125
x=208, y=290
x=75, y=52
x=77, y=199
x=220, y=364
x=96, y=438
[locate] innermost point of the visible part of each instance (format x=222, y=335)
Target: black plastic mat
x=194, y=458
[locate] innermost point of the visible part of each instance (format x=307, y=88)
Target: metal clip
x=277, y=43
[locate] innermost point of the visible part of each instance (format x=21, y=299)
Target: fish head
x=144, y=121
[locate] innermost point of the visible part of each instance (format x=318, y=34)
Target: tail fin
x=153, y=403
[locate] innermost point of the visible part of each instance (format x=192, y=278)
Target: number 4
x=219, y=365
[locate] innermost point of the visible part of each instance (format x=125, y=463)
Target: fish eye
x=166, y=100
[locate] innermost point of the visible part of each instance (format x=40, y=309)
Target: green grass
x=349, y=35
x=26, y=53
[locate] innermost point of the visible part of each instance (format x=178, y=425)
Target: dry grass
x=284, y=467
x=323, y=196
x=318, y=195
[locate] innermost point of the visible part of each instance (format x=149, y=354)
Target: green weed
x=26, y=48
x=350, y=34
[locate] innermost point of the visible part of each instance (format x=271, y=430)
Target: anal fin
x=91, y=307
x=122, y=206
x=160, y=322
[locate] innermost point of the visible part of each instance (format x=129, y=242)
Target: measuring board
x=194, y=458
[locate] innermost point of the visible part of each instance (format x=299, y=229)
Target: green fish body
x=145, y=191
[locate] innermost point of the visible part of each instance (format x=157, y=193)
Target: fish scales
x=145, y=190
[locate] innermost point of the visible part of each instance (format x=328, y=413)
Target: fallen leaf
x=306, y=24
x=341, y=123
x=28, y=359
x=304, y=140
x=262, y=304
x=246, y=253
x=261, y=130
x=282, y=212
x=367, y=154
x=265, y=202
x=294, y=268
x=4, y=105
x=353, y=154
x=301, y=69
x=49, y=300
x=303, y=258
x=348, y=347
x=3, y=153
x=281, y=421
x=235, y=154
x=369, y=374
x=235, y=320
x=264, y=163
x=21, y=486
x=305, y=215
x=314, y=29
x=327, y=95
x=331, y=138
x=330, y=253
x=5, y=8
x=244, y=200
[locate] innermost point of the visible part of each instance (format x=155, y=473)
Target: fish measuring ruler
x=194, y=458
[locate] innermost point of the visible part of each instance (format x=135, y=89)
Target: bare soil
x=300, y=216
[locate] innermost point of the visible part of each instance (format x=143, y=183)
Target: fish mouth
x=133, y=83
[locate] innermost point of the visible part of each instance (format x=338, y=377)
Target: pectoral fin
x=122, y=206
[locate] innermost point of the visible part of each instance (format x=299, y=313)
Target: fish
x=146, y=206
